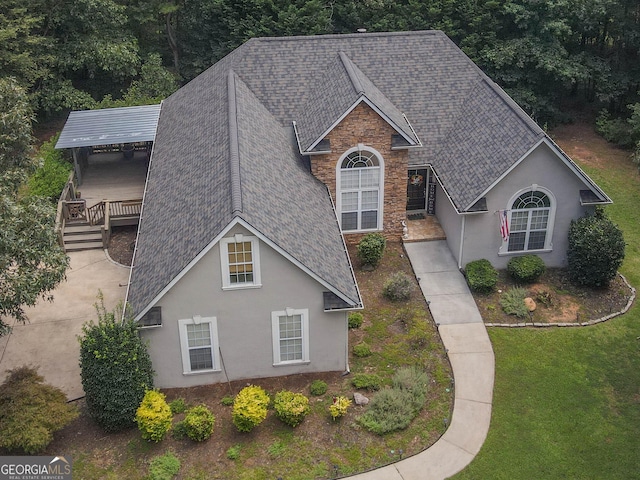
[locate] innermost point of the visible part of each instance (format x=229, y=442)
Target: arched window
x=359, y=185
x=531, y=223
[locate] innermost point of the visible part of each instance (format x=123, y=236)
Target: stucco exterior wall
x=542, y=167
x=244, y=321
x=365, y=126
x=449, y=220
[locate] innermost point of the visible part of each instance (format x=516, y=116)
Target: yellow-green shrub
x=339, y=406
x=198, y=423
x=250, y=408
x=154, y=416
x=291, y=407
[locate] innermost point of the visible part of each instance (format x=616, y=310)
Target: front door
x=417, y=189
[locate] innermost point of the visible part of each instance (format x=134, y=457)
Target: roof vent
x=362, y=30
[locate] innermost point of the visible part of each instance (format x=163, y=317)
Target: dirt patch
x=557, y=299
x=122, y=244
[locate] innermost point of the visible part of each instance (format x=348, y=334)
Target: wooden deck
x=109, y=176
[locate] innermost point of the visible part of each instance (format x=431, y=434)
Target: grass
x=567, y=401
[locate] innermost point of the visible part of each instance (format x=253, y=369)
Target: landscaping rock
x=360, y=399
x=530, y=303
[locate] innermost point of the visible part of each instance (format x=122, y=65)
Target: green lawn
x=567, y=401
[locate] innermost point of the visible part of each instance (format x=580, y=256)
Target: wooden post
x=76, y=167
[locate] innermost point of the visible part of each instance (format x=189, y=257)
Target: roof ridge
x=348, y=65
x=343, y=35
x=234, y=145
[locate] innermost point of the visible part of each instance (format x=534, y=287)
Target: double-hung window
x=199, y=344
x=240, y=260
x=290, y=330
x=531, y=221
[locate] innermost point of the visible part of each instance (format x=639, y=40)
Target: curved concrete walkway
x=471, y=355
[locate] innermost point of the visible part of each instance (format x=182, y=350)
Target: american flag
x=504, y=225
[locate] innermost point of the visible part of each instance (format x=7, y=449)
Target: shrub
x=291, y=407
x=394, y=408
x=115, y=368
x=164, y=467
x=318, y=387
x=250, y=408
x=339, y=407
x=596, y=250
x=31, y=411
x=154, y=416
x=398, y=287
x=362, y=350
x=481, y=276
x=51, y=177
x=371, y=249
x=526, y=268
x=512, y=302
x=233, y=453
x=198, y=423
x=367, y=381
x=355, y=319
x=178, y=406
x=227, y=401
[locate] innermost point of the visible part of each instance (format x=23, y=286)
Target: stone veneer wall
x=364, y=125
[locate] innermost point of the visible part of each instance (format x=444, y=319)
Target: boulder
x=360, y=399
x=530, y=303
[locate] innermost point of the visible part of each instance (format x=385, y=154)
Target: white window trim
x=184, y=344
x=359, y=148
x=275, y=332
x=224, y=261
x=548, y=243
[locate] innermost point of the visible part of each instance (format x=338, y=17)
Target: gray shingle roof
x=471, y=133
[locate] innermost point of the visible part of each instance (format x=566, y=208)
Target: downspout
x=464, y=217
x=346, y=349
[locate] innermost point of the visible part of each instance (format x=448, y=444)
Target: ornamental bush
x=291, y=408
x=355, y=319
x=318, y=387
x=339, y=407
x=481, y=276
x=31, y=411
x=250, y=408
x=596, y=250
x=367, y=381
x=164, y=467
x=526, y=268
x=154, y=416
x=198, y=423
x=115, y=368
x=371, y=249
x=512, y=302
x=362, y=350
x=398, y=287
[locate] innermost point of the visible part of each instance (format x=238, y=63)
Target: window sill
x=287, y=364
x=370, y=230
x=524, y=252
x=149, y=327
x=202, y=372
x=242, y=286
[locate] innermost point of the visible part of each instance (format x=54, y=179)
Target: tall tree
x=31, y=261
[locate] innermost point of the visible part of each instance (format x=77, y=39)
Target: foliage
x=512, y=302
x=318, y=387
x=154, y=416
x=31, y=411
x=51, y=177
x=33, y=263
x=362, y=350
x=339, y=407
x=291, y=407
x=198, y=423
x=250, y=408
x=115, y=368
x=233, y=453
x=394, y=408
x=526, y=268
x=227, y=401
x=355, y=319
x=481, y=275
x=178, y=406
x=367, y=381
x=398, y=287
x=164, y=467
x=371, y=249
x=596, y=250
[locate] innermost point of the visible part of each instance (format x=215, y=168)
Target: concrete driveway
x=48, y=341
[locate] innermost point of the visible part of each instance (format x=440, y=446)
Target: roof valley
x=234, y=146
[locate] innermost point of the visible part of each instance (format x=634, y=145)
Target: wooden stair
x=82, y=236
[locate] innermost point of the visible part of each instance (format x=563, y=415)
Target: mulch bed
x=122, y=244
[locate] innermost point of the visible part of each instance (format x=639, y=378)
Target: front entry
x=417, y=189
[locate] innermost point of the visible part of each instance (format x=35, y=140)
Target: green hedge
x=50, y=178
x=526, y=268
x=481, y=276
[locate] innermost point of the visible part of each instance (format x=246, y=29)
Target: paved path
x=48, y=341
x=469, y=348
